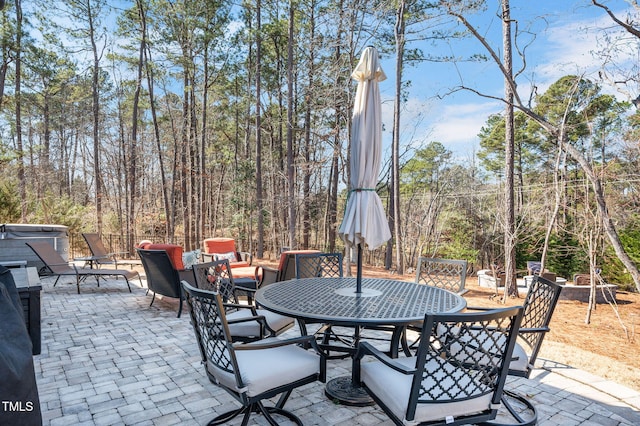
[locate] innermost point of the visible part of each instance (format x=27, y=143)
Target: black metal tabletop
x=334, y=301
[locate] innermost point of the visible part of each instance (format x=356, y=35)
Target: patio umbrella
x=364, y=219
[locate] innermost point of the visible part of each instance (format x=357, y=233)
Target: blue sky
x=567, y=35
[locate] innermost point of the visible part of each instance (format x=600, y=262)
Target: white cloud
x=457, y=126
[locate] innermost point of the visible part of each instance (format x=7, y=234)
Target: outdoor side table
x=29, y=287
x=334, y=301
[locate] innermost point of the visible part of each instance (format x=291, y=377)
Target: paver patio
x=110, y=359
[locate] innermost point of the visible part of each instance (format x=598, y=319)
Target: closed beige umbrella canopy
x=364, y=220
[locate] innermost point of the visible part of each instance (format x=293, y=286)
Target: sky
x=567, y=34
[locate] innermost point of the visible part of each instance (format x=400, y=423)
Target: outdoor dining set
x=439, y=362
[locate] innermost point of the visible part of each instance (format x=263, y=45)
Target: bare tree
x=556, y=130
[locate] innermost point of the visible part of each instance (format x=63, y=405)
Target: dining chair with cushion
x=448, y=274
x=250, y=372
x=322, y=265
x=457, y=375
x=539, y=305
x=218, y=276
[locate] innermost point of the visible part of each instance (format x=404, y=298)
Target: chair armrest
x=275, y=343
x=534, y=330
x=478, y=308
x=260, y=318
x=366, y=348
x=245, y=256
x=241, y=306
x=247, y=289
x=211, y=257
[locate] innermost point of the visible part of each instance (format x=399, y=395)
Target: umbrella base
x=343, y=390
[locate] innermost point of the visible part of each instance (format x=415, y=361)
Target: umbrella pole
x=359, y=271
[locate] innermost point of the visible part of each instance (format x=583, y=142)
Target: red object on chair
x=225, y=248
x=174, y=251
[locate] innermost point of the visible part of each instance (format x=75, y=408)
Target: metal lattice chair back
x=216, y=276
x=471, y=350
x=443, y=273
x=539, y=305
x=458, y=372
x=325, y=265
x=250, y=372
x=209, y=323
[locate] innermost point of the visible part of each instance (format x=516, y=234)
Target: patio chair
x=101, y=256
x=447, y=274
x=539, y=304
x=54, y=264
x=163, y=269
x=225, y=248
x=444, y=273
x=457, y=375
x=310, y=265
x=250, y=372
x=218, y=276
x=286, y=267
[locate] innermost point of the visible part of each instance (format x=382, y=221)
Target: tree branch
x=628, y=27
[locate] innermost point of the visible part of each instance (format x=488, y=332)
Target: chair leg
x=268, y=411
x=225, y=417
x=258, y=408
x=519, y=408
x=152, y=298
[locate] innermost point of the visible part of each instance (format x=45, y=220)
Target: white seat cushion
x=243, y=329
x=277, y=322
x=394, y=388
x=265, y=369
x=519, y=359
x=252, y=328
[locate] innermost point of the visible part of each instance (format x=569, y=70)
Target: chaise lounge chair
x=56, y=265
x=101, y=256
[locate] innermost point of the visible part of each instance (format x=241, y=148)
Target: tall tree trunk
x=511, y=288
x=395, y=172
x=168, y=225
x=259, y=200
x=182, y=149
x=18, y=95
x=290, y=160
x=95, y=97
x=201, y=196
x=132, y=173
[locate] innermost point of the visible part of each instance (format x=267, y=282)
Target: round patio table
x=334, y=301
